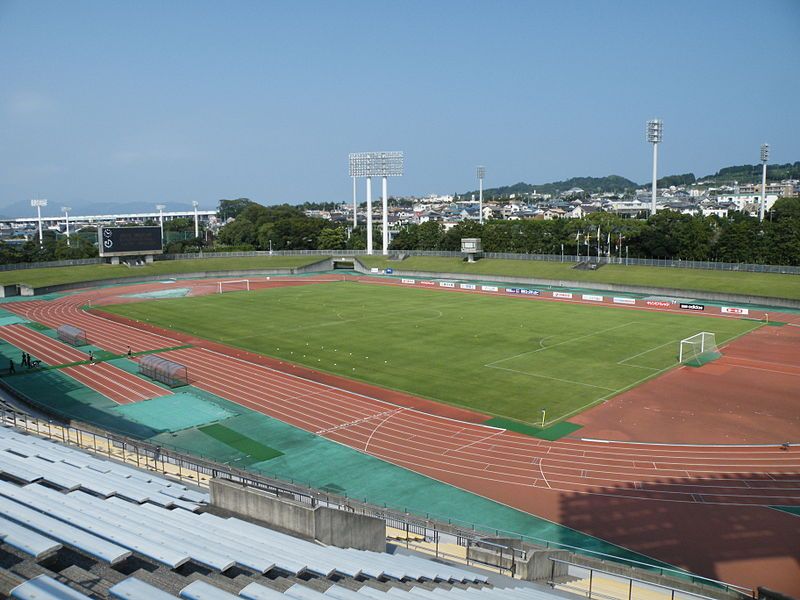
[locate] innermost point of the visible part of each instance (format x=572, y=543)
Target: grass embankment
x=509, y=357
x=63, y=275
x=773, y=285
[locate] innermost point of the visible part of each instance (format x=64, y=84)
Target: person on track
x=130, y=354
x=91, y=357
x=11, y=368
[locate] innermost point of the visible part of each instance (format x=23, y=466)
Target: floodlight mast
x=481, y=174
x=764, y=157
x=65, y=210
x=377, y=164
x=369, y=215
x=39, y=203
x=160, y=208
x=655, y=129
x=355, y=204
x=196, y=219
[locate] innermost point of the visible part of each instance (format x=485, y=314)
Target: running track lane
x=115, y=337
x=114, y=383
x=683, y=505
x=438, y=445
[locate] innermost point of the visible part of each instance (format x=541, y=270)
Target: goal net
x=698, y=349
x=236, y=285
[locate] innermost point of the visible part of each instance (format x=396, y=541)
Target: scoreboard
x=129, y=241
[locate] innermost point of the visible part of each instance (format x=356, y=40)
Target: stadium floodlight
x=65, y=210
x=481, y=171
x=377, y=164
x=764, y=157
x=196, y=219
x=655, y=131
x=160, y=208
x=39, y=203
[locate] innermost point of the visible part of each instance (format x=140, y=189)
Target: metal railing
x=618, y=260
x=433, y=529
x=604, y=584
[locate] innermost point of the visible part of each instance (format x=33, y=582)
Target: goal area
x=698, y=349
x=235, y=285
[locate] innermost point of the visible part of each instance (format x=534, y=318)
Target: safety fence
x=430, y=533
x=603, y=584
x=569, y=258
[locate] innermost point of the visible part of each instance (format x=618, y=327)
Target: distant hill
x=610, y=183
x=752, y=173
x=619, y=184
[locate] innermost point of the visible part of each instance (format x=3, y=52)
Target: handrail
x=743, y=591
x=465, y=536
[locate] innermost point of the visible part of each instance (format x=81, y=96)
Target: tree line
x=668, y=234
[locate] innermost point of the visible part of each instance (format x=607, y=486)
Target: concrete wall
x=327, y=525
x=737, y=299
x=536, y=567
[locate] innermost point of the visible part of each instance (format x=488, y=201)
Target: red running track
x=114, y=383
x=703, y=508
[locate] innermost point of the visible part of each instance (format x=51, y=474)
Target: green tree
x=430, y=235
x=332, y=238
x=230, y=209
x=239, y=232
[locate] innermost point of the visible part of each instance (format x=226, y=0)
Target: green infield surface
x=504, y=356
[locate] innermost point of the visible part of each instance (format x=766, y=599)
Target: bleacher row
x=74, y=525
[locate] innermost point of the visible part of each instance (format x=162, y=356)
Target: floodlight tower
x=160, y=208
x=65, y=210
x=39, y=203
x=377, y=164
x=355, y=204
x=655, y=128
x=196, y=220
x=481, y=174
x=390, y=165
x=764, y=157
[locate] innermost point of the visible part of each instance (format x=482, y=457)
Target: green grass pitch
x=504, y=356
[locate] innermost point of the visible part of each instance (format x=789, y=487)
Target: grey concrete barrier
x=327, y=525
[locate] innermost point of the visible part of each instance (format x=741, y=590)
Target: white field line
x=624, y=360
x=613, y=393
x=379, y=425
x=591, y=385
x=575, y=339
x=479, y=441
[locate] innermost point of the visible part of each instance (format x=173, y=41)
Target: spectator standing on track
x=26, y=360
x=11, y=368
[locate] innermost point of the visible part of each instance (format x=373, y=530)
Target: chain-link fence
x=569, y=258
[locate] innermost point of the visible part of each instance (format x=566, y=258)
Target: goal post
x=235, y=285
x=698, y=349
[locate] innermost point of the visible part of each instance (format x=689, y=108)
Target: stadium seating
x=75, y=526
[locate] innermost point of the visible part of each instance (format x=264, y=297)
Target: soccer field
x=504, y=356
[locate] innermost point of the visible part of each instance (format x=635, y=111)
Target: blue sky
x=154, y=101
